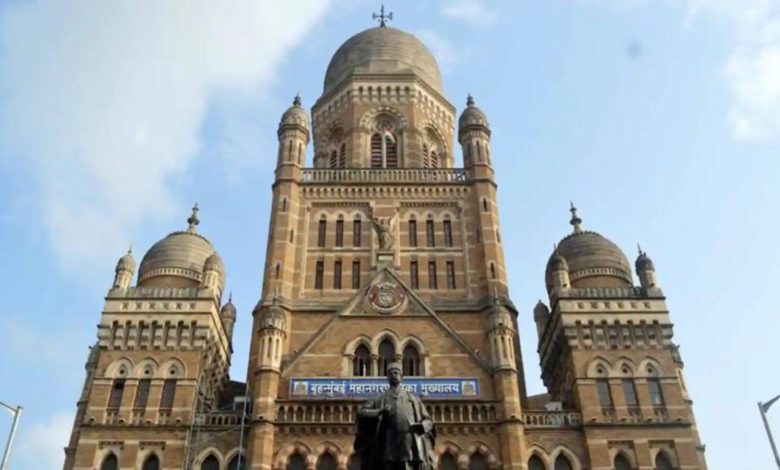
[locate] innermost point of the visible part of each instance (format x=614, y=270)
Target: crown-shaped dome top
x=382, y=50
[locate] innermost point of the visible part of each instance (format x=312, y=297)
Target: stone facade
x=384, y=251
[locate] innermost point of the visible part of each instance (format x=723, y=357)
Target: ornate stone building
x=384, y=250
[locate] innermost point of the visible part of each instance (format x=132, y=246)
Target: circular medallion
x=386, y=297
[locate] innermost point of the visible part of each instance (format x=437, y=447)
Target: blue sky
x=659, y=118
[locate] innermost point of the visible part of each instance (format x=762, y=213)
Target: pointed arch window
x=152, y=463
x=662, y=462
x=168, y=394
x=234, y=463
x=386, y=356
x=110, y=463
x=412, y=232
x=117, y=390
x=340, y=232
x=296, y=462
x=656, y=395
x=361, y=364
x=411, y=362
x=630, y=392
x=384, y=150
x=622, y=463
x=211, y=463
x=327, y=462
x=562, y=463
x=448, y=462
x=478, y=462
x=142, y=393
x=356, y=232
x=535, y=463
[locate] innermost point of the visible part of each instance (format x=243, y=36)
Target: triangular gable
x=386, y=294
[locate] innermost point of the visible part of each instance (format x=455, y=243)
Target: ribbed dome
x=177, y=260
x=295, y=115
x=593, y=261
x=382, y=50
x=643, y=262
x=472, y=115
x=126, y=262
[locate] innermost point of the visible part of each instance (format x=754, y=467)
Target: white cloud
x=104, y=101
x=472, y=11
x=41, y=444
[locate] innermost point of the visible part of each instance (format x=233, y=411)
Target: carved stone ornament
x=386, y=297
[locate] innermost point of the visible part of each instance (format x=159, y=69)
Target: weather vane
x=383, y=19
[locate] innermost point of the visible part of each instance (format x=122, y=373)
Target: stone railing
x=400, y=175
x=551, y=419
x=219, y=419
x=444, y=412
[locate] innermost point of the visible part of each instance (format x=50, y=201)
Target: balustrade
x=449, y=412
x=551, y=419
x=372, y=175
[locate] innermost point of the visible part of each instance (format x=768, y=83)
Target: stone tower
x=161, y=359
x=606, y=349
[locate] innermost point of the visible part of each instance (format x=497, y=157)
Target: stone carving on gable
x=386, y=296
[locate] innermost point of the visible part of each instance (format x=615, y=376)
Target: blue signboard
x=367, y=387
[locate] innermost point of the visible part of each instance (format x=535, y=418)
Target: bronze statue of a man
x=394, y=430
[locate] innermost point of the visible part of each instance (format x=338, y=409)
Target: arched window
x=622, y=463
x=354, y=462
x=234, y=465
x=321, y=231
x=327, y=462
x=562, y=463
x=662, y=462
x=535, y=463
x=110, y=463
x=211, y=463
x=448, y=462
x=478, y=462
x=296, y=462
x=343, y=156
x=411, y=362
x=362, y=362
x=386, y=356
x=384, y=150
x=152, y=463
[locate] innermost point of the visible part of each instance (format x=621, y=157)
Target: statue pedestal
x=385, y=259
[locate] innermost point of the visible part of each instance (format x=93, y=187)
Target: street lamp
x=763, y=408
x=16, y=412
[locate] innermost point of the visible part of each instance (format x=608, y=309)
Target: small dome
x=214, y=262
x=126, y=262
x=177, y=260
x=472, y=116
x=295, y=115
x=273, y=318
x=382, y=51
x=541, y=312
x=643, y=263
x=228, y=310
x=593, y=260
x=500, y=318
x=558, y=262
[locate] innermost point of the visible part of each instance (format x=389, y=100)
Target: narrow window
x=289, y=151
x=111, y=463
x=321, y=232
x=142, y=393
x=211, y=463
x=152, y=463
x=292, y=235
x=412, y=232
x=391, y=151
x=340, y=232
x=450, y=274
x=168, y=393
x=376, y=151
x=117, y=390
x=414, y=276
x=605, y=397
x=356, y=232
x=318, y=273
x=429, y=234
x=425, y=155
x=492, y=270
x=333, y=159
x=630, y=392
x=432, y=275
x=622, y=463
x=284, y=204
x=386, y=356
x=562, y=463
x=498, y=236
x=535, y=463
x=447, y=233
x=343, y=156
x=337, y=274
x=356, y=274
x=278, y=269
x=362, y=362
x=411, y=362
x=434, y=160
x=484, y=204
x=656, y=395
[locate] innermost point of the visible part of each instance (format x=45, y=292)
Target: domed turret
x=384, y=51
x=472, y=115
x=293, y=135
x=592, y=260
x=125, y=268
x=474, y=135
x=645, y=269
x=295, y=115
x=177, y=260
x=228, y=314
x=214, y=273
x=541, y=317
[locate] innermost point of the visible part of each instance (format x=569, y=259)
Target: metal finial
x=383, y=19
x=470, y=100
x=639, y=248
x=193, y=219
x=297, y=100
x=575, y=220
x=230, y=297
x=130, y=249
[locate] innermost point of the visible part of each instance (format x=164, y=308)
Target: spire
x=639, y=249
x=297, y=100
x=383, y=19
x=230, y=297
x=575, y=220
x=469, y=100
x=193, y=219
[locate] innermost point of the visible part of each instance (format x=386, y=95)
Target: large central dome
x=382, y=50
